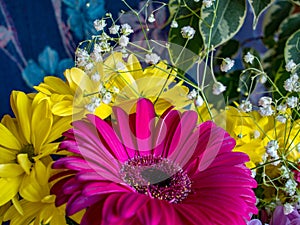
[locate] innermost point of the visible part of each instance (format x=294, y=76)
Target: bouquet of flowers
x=148, y=131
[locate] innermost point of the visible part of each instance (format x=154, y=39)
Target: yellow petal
x=134, y=66
x=41, y=173
x=8, y=140
x=57, y=85
x=9, y=188
x=12, y=125
x=63, y=108
x=59, y=126
x=17, y=205
x=10, y=170
x=7, y=155
x=24, y=162
x=41, y=125
x=21, y=106
x=103, y=111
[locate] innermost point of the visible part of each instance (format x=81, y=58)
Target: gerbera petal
x=151, y=213
x=145, y=121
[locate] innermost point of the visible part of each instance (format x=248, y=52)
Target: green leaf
x=280, y=76
x=258, y=7
x=274, y=16
x=297, y=2
x=229, y=17
x=292, y=48
x=289, y=26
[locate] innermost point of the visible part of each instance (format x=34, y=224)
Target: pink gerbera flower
x=140, y=169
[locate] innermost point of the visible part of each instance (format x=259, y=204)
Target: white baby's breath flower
x=199, y=101
x=96, y=77
x=226, y=65
x=281, y=118
x=82, y=57
x=123, y=41
x=188, y=32
x=126, y=29
x=266, y=111
x=282, y=108
x=256, y=134
x=196, y=0
x=249, y=58
x=151, y=18
x=263, y=79
x=89, y=67
x=207, y=3
x=96, y=101
x=290, y=186
x=99, y=24
x=120, y=66
x=174, y=24
x=192, y=95
x=114, y=29
x=284, y=172
x=218, y=88
x=272, y=148
x=245, y=106
x=290, y=66
x=287, y=208
x=90, y=107
x=107, y=98
x=265, y=101
x=292, y=102
x=152, y=58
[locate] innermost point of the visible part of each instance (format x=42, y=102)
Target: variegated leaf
x=274, y=16
x=229, y=18
x=258, y=7
x=289, y=26
x=292, y=48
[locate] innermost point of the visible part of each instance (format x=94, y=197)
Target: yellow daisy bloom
x=252, y=133
x=28, y=138
x=113, y=82
x=38, y=205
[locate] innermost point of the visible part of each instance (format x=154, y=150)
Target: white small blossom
x=174, y=24
x=298, y=147
x=188, y=32
x=207, y=3
x=105, y=46
x=115, y=89
x=253, y=173
x=285, y=172
x=123, y=41
x=272, y=148
x=192, y=95
x=102, y=89
x=104, y=37
x=288, y=85
x=290, y=186
x=96, y=77
x=249, y=58
x=126, y=29
x=199, y=101
x=265, y=101
x=292, y=102
x=263, y=79
x=90, y=107
x=99, y=24
x=96, y=101
x=120, y=66
x=88, y=67
x=114, y=29
x=196, y=0
x=266, y=111
x=107, y=98
x=256, y=134
x=290, y=66
x=245, y=106
x=152, y=58
x=151, y=18
x=218, y=88
x=227, y=64
x=82, y=57
x=282, y=108
x=281, y=118
x=287, y=208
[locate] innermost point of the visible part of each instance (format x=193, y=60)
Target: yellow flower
x=26, y=139
x=38, y=205
x=252, y=133
x=84, y=93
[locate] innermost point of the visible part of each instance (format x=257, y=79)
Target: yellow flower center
x=29, y=150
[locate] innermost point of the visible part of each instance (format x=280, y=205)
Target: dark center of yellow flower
x=29, y=150
x=156, y=177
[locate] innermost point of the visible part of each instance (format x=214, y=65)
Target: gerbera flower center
x=156, y=177
x=29, y=150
